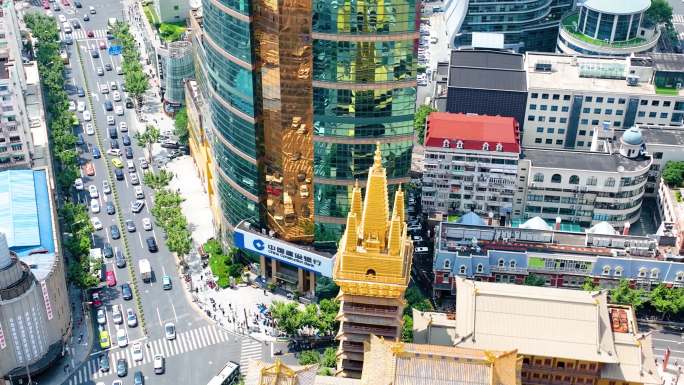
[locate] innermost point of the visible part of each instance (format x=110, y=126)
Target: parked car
x=120, y=260
x=114, y=232
x=131, y=318
x=121, y=367
x=126, y=292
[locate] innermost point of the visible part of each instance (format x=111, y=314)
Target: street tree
x=534, y=280
x=419, y=121
x=624, y=294
x=181, y=125
x=660, y=11
x=666, y=300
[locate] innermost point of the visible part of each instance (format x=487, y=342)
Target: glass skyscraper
x=301, y=92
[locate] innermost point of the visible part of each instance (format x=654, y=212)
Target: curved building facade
x=527, y=25
x=608, y=28
x=364, y=91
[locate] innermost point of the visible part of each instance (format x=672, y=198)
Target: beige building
x=563, y=336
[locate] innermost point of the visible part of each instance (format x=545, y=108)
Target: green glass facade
x=230, y=78
x=364, y=71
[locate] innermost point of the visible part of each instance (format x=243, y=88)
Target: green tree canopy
x=419, y=121
x=534, y=280
x=624, y=294
x=673, y=173
x=667, y=301
x=660, y=11
x=181, y=125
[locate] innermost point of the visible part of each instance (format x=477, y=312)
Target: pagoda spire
x=376, y=206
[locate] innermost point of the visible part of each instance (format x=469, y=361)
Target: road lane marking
x=174, y=312
x=141, y=241
x=159, y=317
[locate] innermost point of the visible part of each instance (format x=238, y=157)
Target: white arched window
x=511, y=263
x=618, y=271
x=501, y=262
x=680, y=276
x=606, y=270
x=642, y=272
x=459, y=144
x=480, y=268
x=447, y=264
x=485, y=147
x=462, y=269
x=446, y=143
x=499, y=147
x=655, y=273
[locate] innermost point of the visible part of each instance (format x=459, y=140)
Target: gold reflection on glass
x=282, y=31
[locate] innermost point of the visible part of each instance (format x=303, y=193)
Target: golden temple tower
x=372, y=268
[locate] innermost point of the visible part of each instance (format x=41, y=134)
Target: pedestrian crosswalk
x=184, y=342
x=678, y=18
x=250, y=350
x=82, y=34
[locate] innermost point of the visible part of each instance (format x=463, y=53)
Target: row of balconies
x=369, y=309
x=367, y=330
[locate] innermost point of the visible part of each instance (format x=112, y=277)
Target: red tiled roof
x=473, y=130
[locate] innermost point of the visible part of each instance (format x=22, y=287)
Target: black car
x=126, y=292
x=129, y=103
x=130, y=226
x=111, y=210
x=119, y=174
x=78, y=4
x=75, y=24
x=126, y=139
x=114, y=230
x=152, y=245
x=113, y=134
x=95, y=53
x=104, y=363
x=114, y=144
x=108, y=67
x=107, y=250
x=108, y=105
x=120, y=260
x=129, y=152
x=121, y=367
x=170, y=144
x=81, y=92
x=138, y=378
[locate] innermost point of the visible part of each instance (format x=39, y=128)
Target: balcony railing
x=569, y=25
x=370, y=310
x=388, y=332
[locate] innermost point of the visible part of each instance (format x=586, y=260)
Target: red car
x=65, y=3
x=91, y=34
x=96, y=301
x=111, y=279
x=46, y=4
x=103, y=45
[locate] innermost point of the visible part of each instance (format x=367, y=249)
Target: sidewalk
x=672, y=375
x=78, y=347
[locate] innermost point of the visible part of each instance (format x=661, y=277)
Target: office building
x=35, y=313
x=171, y=11
x=372, y=269
x=364, y=91
x=563, y=336
x=297, y=84
x=558, y=253
x=470, y=164
x=526, y=26
x=608, y=28
x=487, y=82
x=177, y=66
x=569, y=96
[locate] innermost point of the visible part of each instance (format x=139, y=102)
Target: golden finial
x=489, y=356
x=378, y=156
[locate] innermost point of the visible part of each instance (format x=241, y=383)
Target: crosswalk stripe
x=157, y=349
x=193, y=339
x=203, y=336
x=148, y=354
x=184, y=343
x=173, y=345
x=167, y=349
x=211, y=336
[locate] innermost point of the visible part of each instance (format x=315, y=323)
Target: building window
x=588, y=99
x=586, y=110
x=500, y=262
x=538, y=177
x=655, y=273
x=565, y=109
x=540, y=129
x=459, y=145
x=446, y=143
x=533, y=106
x=548, y=141
x=530, y=118
x=556, y=178
x=499, y=147
x=462, y=269
x=680, y=276
x=445, y=277
x=580, y=143
x=535, y=95
x=480, y=268
x=643, y=102
x=591, y=181
x=537, y=140
x=485, y=147
x=511, y=264
x=655, y=103
x=642, y=272
x=574, y=179
x=550, y=130
x=610, y=182
x=618, y=271
x=606, y=270
x=447, y=264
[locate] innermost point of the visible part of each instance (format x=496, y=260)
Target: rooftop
x=583, y=160
x=582, y=73
x=472, y=130
x=487, y=69
x=668, y=62
x=661, y=135
x=625, y=7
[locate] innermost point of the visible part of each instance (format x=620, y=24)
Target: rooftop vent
x=542, y=67
x=632, y=80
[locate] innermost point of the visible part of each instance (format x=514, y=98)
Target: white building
x=606, y=183
x=470, y=164
x=569, y=96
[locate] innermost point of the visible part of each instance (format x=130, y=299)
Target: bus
x=229, y=375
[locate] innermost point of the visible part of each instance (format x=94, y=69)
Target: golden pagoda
x=372, y=268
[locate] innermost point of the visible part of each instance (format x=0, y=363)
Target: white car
x=123, y=127
x=92, y=189
x=114, y=152
x=110, y=120
x=94, y=206
x=117, y=382
x=170, y=331
x=143, y=163
x=147, y=224
x=116, y=95
x=137, y=352
x=117, y=317
x=72, y=105
x=119, y=70
x=86, y=116
x=89, y=129
x=62, y=18
x=78, y=184
x=80, y=106
x=104, y=88
x=121, y=338
x=113, y=86
x=118, y=110
x=422, y=249
x=97, y=223
x=131, y=318
x=101, y=316
x=105, y=187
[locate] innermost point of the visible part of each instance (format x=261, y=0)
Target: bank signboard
x=284, y=252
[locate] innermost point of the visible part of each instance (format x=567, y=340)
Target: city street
x=664, y=337
x=198, y=344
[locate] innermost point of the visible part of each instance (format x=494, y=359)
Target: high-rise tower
x=372, y=268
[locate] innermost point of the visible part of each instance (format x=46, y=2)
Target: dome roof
x=618, y=7
x=633, y=136
x=536, y=223
x=471, y=219
x=603, y=228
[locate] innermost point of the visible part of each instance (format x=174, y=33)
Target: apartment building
x=562, y=336
x=470, y=164
x=569, y=96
